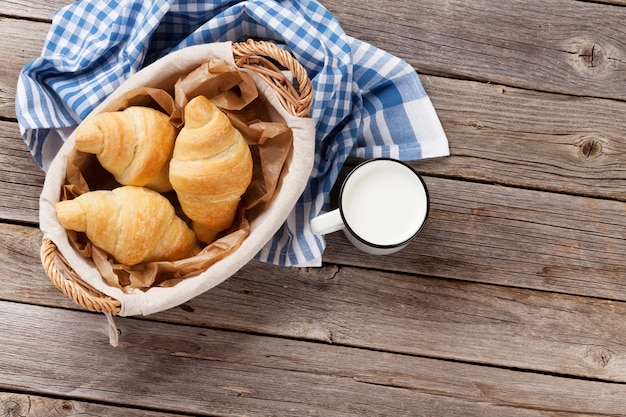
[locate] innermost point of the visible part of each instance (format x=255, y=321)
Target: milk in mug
x=383, y=204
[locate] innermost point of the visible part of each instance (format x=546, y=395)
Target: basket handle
x=73, y=286
x=253, y=55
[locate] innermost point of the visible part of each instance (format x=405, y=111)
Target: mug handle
x=327, y=223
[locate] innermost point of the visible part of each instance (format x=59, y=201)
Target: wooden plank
x=19, y=246
x=534, y=45
x=21, y=42
x=25, y=405
x=422, y=316
x=513, y=237
x=42, y=10
x=403, y=313
x=530, y=139
x=21, y=178
x=201, y=371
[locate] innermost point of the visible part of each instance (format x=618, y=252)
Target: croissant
x=133, y=224
x=211, y=168
x=134, y=145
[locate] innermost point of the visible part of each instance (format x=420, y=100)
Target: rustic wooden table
x=511, y=302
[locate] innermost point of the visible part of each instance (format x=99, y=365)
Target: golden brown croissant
x=134, y=145
x=210, y=169
x=133, y=224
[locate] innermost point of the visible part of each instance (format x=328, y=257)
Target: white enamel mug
x=383, y=205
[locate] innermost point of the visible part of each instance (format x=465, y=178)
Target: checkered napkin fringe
x=367, y=103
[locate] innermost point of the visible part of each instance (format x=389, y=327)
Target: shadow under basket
x=291, y=97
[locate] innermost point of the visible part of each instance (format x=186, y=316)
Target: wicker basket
x=257, y=56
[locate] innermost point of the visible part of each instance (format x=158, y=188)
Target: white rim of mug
x=367, y=242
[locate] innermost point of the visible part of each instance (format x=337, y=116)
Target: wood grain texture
x=403, y=313
x=32, y=11
x=208, y=372
x=530, y=139
x=25, y=405
x=21, y=42
x=513, y=237
x=543, y=46
x=21, y=179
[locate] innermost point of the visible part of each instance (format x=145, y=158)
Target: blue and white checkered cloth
x=367, y=103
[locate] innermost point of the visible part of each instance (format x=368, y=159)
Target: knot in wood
x=476, y=125
x=15, y=408
x=597, y=356
x=590, y=148
x=592, y=57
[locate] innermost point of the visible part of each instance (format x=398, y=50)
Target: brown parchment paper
x=270, y=143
